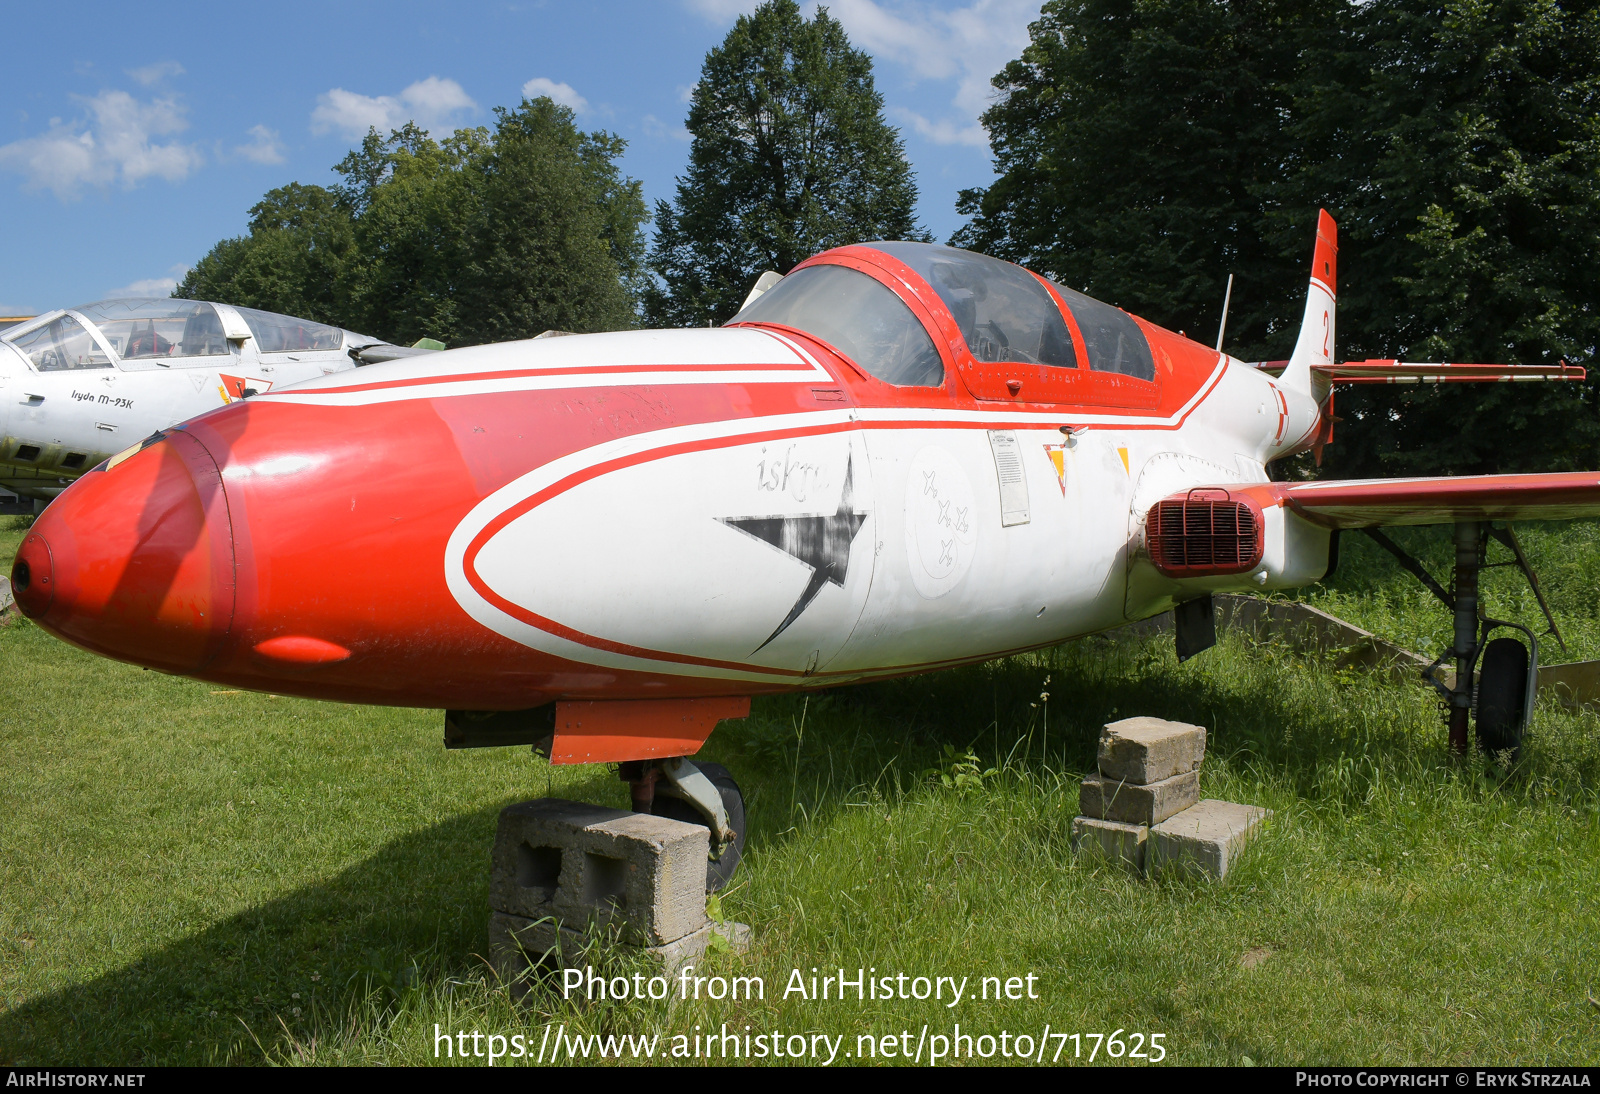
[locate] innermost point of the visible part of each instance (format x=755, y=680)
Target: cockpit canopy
x=1004, y=313
x=107, y=332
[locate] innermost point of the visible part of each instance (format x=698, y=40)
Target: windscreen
x=62, y=343
x=1112, y=340
x=284, y=333
x=158, y=328
x=1002, y=310
x=858, y=316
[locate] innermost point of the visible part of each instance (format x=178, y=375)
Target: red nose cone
x=136, y=562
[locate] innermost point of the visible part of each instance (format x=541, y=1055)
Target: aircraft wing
x=1369, y=503
x=1432, y=372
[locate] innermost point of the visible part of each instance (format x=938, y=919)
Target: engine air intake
x=1204, y=533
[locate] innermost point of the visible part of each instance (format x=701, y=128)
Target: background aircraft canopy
x=276, y=333
x=62, y=343
x=159, y=327
x=858, y=316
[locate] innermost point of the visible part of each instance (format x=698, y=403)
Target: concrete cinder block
x=1204, y=839
x=1124, y=843
x=517, y=942
x=640, y=875
x=1130, y=803
x=1148, y=750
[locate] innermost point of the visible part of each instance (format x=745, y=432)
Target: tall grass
x=191, y=875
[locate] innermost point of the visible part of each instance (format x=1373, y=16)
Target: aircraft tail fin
x=1315, y=346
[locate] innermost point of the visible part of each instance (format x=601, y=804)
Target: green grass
x=178, y=864
x=12, y=529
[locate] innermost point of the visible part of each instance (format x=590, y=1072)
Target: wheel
x=719, y=871
x=1502, y=695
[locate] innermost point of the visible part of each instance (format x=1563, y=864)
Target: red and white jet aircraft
x=897, y=458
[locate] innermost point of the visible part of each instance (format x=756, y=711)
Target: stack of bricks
x=566, y=874
x=1143, y=806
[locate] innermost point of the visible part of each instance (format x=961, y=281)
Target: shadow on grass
x=417, y=909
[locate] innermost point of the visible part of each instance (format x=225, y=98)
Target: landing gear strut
x=1506, y=670
x=696, y=794
x=1469, y=548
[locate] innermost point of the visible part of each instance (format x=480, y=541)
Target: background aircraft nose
x=135, y=561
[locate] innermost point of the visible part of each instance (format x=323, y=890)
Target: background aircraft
x=897, y=458
x=80, y=384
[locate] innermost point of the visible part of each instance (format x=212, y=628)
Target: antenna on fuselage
x=1222, y=327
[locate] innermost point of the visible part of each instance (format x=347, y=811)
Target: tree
x=1138, y=145
x=791, y=156
x=1146, y=150
x=487, y=235
x=293, y=261
x=558, y=231
x=415, y=211
x=1476, y=218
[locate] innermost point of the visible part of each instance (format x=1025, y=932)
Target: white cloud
x=264, y=146
x=686, y=94
x=149, y=286
x=113, y=143
x=154, y=74
x=559, y=93
x=943, y=131
x=437, y=99
x=968, y=45
x=430, y=103
x=655, y=127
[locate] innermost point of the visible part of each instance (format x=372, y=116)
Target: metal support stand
x=1469, y=560
x=641, y=777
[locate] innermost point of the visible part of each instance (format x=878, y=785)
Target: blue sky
x=133, y=138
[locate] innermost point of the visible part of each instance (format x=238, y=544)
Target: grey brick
x=1124, y=843
x=1108, y=799
x=641, y=875
x=517, y=942
x=1148, y=750
x=1205, y=839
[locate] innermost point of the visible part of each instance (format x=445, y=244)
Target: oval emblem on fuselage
x=686, y=553
x=941, y=518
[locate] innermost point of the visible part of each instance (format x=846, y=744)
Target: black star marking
x=821, y=541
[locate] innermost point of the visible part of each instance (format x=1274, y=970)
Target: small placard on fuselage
x=1008, y=469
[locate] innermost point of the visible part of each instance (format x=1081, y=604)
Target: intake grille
x=1203, y=534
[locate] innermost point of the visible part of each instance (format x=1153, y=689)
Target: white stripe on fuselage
x=621, y=359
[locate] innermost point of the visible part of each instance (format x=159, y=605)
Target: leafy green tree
x=791, y=156
x=1138, y=145
x=414, y=206
x=1147, y=149
x=293, y=261
x=557, y=233
x=487, y=235
x=1474, y=221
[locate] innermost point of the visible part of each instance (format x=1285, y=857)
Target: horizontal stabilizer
x=1370, y=503
x=1416, y=372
